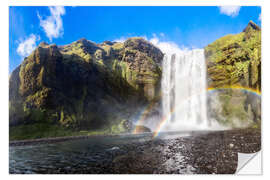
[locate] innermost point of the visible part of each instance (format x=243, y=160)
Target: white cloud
x=121, y=39
x=28, y=45
x=53, y=24
x=230, y=10
x=162, y=34
x=124, y=38
x=167, y=47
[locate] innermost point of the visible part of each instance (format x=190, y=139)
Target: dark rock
x=253, y=26
x=141, y=129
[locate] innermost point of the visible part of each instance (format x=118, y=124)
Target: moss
x=40, y=76
x=234, y=54
x=118, y=46
x=29, y=66
x=77, y=49
x=108, y=49
x=119, y=127
x=62, y=116
x=44, y=130
x=38, y=98
x=67, y=119
x=100, y=63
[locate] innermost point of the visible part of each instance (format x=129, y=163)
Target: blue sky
x=189, y=27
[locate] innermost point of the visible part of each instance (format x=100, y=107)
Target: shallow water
x=198, y=152
x=69, y=154
x=75, y=154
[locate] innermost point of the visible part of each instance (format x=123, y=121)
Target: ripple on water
x=63, y=156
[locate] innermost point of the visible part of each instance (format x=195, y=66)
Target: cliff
x=234, y=63
x=84, y=85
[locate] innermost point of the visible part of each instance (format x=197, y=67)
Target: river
x=171, y=153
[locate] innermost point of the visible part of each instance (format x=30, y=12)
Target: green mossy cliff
x=235, y=61
x=84, y=85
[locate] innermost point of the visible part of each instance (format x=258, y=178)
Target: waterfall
x=184, y=91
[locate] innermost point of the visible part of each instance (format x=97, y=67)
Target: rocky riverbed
x=190, y=153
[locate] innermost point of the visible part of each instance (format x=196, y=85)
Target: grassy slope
x=36, y=131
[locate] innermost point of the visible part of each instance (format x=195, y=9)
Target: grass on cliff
x=42, y=130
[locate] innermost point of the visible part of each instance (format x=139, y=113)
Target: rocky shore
x=212, y=153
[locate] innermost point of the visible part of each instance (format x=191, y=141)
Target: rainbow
x=145, y=112
x=247, y=89
x=165, y=118
x=163, y=121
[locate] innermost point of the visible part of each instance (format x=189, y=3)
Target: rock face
x=141, y=129
x=84, y=85
x=235, y=61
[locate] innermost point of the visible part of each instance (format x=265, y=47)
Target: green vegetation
x=43, y=130
x=118, y=46
x=235, y=60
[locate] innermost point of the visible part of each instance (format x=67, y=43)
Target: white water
x=184, y=91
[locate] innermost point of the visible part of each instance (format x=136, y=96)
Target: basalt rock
x=141, y=129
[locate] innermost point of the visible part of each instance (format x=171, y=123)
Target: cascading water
x=184, y=91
